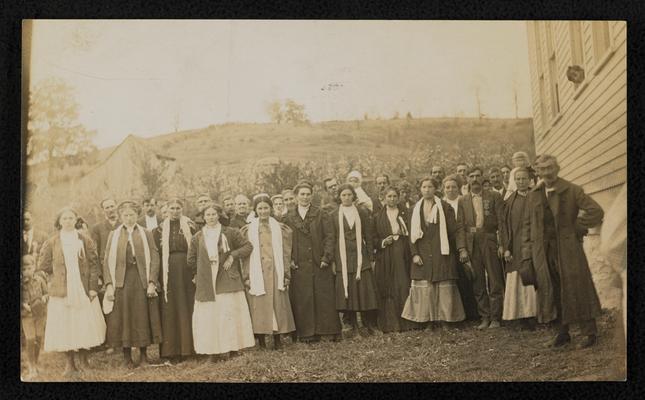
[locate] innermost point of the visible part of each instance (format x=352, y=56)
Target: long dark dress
x=361, y=293
x=134, y=320
x=392, y=274
x=312, y=288
x=177, y=312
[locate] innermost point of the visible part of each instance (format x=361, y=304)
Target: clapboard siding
x=589, y=136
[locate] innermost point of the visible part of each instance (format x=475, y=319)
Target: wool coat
x=574, y=213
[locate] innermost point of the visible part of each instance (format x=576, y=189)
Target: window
x=577, y=51
x=553, y=72
x=601, y=40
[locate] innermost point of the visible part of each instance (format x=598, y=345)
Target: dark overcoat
x=574, y=213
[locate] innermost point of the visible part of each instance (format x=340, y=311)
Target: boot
x=485, y=323
x=39, y=342
x=127, y=358
x=70, y=367
x=494, y=324
x=277, y=342
x=561, y=339
x=261, y=341
x=82, y=359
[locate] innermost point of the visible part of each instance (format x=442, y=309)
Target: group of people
x=270, y=266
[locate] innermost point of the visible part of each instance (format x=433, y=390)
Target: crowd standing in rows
x=449, y=250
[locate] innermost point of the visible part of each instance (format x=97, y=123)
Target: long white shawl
x=165, y=247
x=255, y=263
x=109, y=304
x=416, y=232
x=341, y=242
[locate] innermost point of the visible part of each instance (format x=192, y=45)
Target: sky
x=150, y=77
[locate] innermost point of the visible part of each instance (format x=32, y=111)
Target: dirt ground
x=440, y=355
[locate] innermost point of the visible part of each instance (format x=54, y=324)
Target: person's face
x=211, y=217
x=427, y=190
x=26, y=221
x=229, y=206
x=506, y=174
x=522, y=181
x=67, y=220
x=332, y=187
x=242, y=207
x=548, y=171
x=289, y=200
x=486, y=185
x=405, y=194
x=436, y=172
x=391, y=198
x=354, y=182
x=495, y=179
x=109, y=209
x=520, y=162
x=451, y=190
x=304, y=197
x=174, y=211
x=149, y=208
x=381, y=183
x=475, y=176
x=461, y=170
x=164, y=212
x=28, y=270
x=347, y=197
x=202, y=203
x=128, y=217
x=263, y=210
x=278, y=205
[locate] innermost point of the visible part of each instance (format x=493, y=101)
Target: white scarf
x=211, y=239
x=108, y=304
x=417, y=232
x=255, y=264
x=341, y=242
x=165, y=247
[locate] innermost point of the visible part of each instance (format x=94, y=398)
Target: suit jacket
x=36, y=243
x=493, y=206
x=139, y=254
x=52, y=262
x=318, y=225
x=100, y=233
x=142, y=222
x=199, y=262
x=574, y=213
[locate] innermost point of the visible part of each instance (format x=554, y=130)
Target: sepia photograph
x=323, y=201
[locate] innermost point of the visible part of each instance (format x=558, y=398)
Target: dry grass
x=505, y=354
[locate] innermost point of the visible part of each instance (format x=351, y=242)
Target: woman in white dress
x=221, y=319
x=74, y=317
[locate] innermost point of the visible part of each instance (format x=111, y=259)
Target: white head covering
x=362, y=197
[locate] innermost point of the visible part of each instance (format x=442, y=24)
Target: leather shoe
x=588, y=341
x=485, y=323
x=561, y=339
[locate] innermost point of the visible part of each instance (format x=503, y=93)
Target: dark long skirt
x=393, y=284
x=134, y=320
x=467, y=294
x=177, y=313
x=361, y=294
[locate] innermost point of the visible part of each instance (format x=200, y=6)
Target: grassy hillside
x=234, y=144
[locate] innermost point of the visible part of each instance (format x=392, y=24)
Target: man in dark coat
x=32, y=239
x=483, y=217
x=378, y=201
x=329, y=201
x=101, y=231
x=242, y=205
x=149, y=220
x=312, y=289
x=558, y=215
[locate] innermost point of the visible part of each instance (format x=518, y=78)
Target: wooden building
x=578, y=73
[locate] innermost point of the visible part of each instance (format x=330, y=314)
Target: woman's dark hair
x=302, y=185
x=60, y=212
x=392, y=188
x=79, y=223
x=262, y=199
x=346, y=186
x=430, y=179
x=215, y=207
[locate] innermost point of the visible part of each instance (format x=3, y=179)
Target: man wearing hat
x=559, y=216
